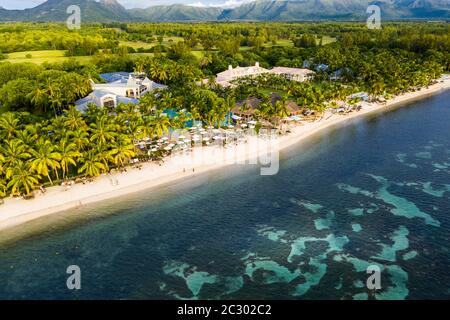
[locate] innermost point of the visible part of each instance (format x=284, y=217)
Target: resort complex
x=225, y=78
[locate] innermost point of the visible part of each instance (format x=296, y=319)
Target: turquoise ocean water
x=376, y=192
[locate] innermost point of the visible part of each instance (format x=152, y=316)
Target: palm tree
x=2, y=167
x=81, y=86
x=147, y=104
x=45, y=158
x=9, y=125
x=74, y=119
x=195, y=112
x=30, y=134
x=2, y=189
x=56, y=97
x=93, y=112
x=102, y=131
x=68, y=155
x=79, y=137
x=23, y=179
x=147, y=129
x=230, y=103
x=161, y=124
x=280, y=110
x=92, y=165
x=159, y=71
x=122, y=151
x=39, y=97
x=139, y=65
x=14, y=151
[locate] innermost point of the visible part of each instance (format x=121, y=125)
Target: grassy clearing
x=198, y=53
x=284, y=43
x=39, y=57
x=328, y=40
x=168, y=40
x=268, y=91
x=137, y=44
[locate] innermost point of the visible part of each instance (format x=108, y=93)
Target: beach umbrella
x=181, y=137
x=252, y=122
x=180, y=142
x=196, y=136
x=230, y=126
x=168, y=148
x=206, y=139
x=243, y=125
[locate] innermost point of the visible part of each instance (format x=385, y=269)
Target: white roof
x=237, y=72
x=285, y=70
x=101, y=93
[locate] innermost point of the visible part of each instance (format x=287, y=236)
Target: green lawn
x=168, y=40
x=198, y=53
x=285, y=43
x=137, y=44
x=328, y=40
x=39, y=57
x=245, y=48
x=268, y=91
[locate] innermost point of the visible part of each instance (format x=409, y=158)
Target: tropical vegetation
x=45, y=140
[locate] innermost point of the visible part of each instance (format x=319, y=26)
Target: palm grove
x=45, y=140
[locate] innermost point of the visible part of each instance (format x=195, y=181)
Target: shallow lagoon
x=376, y=192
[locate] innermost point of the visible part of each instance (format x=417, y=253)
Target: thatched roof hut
x=246, y=107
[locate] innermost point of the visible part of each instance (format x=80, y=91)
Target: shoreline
x=15, y=212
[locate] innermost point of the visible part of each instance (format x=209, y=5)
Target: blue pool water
x=376, y=192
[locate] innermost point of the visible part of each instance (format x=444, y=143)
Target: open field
x=39, y=57
x=137, y=44
x=57, y=56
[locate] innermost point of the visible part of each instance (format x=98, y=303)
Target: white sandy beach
x=17, y=211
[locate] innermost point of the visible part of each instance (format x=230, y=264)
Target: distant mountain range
x=259, y=10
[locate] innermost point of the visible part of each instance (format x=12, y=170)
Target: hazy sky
x=22, y=4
